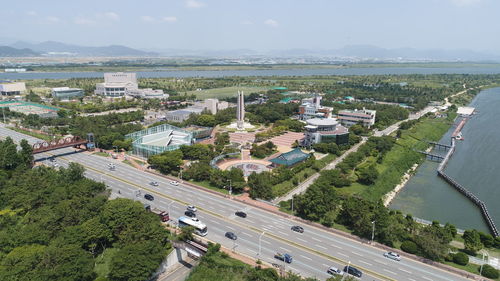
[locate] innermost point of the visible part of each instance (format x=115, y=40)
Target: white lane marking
x=306, y=257
x=404, y=270
x=325, y=265
x=426, y=278
x=384, y=263
x=301, y=240
x=336, y=246
x=366, y=263
x=215, y=222
x=229, y=227
x=319, y=246
x=357, y=254
x=411, y=279
x=246, y=234
x=285, y=249
x=267, y=242
x=391, y=272
x=344, y=255
x=286, y=234
x=316, y=239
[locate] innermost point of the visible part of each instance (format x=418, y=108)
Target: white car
x=192, y=208
x=334, y=271
x=176, y=183
x=154, y=183
x=392, y=256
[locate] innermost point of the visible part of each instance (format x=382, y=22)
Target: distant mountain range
x=61, y=49
x=353, y=52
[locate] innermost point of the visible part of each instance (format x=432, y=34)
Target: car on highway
x=392, y=256
x=241, y=214
x=176, y=183
x=52, y=159
x=190, y=214
x=284, y=257
x=154, y=183
x=56, y=165
x=231, y=235
x=334, y=271
x=191, y=208
x=353, y=271
x=149, y=197
x=297, y=228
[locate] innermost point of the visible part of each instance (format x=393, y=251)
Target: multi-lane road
x=313, y=251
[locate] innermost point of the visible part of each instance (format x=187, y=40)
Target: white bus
x=200, y=228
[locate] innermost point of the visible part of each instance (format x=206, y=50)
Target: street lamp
x=170, y=204
x=260, y=242
x=373, y=231
x=292, y=205
x=230, y=188
x=180, y=174
x=488, y=255
x=347, y=272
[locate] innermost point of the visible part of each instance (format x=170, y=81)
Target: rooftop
x=290, y=158
x=322, y=121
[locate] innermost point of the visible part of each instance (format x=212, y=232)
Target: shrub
x=461, y=258
x=489, y=271
x=409, y=247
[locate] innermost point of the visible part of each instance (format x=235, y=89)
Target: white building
x=147, y=93
x=117, y=84
x=352, y=117
x=212, y=105
x=324, y=130
x=66, y=93
x=9, y=88
x=312, y=108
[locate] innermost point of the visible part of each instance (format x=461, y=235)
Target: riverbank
x=388, y=197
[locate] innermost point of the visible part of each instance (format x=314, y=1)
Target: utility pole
x=343, y=275
x=373, y=231
x=260, y=242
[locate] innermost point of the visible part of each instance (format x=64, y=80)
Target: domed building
x=324, y=130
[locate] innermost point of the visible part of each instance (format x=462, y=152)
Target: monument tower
x=240, y=112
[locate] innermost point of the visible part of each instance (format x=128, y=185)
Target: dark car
x=149, y=197
x=353, y=271
x=284, y=257
x=241, y=214
x=297, y=228
x=231, y=236
x=190, y=214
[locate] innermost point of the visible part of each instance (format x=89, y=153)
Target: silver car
x=392, y=256
x=334, y=271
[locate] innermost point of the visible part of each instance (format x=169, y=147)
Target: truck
x=162, y=214
x=284, y=257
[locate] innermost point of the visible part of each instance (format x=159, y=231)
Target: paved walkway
x=182, y=272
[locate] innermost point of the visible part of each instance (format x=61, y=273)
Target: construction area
x=30, y=108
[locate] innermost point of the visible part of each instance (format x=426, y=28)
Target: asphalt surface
x=313, y=251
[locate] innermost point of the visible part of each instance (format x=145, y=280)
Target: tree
x=260, y=185
x=167, y=162
x=489, y=271
x=409, y=247
x=20, y=263
x=472, y=241
x=461, y=258
x=26, y=153
x=368, y=175
x=206, y=120
x=66, y=262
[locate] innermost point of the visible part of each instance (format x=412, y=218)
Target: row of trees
x=263, y=150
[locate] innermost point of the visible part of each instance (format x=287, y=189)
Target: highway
x=313, y=251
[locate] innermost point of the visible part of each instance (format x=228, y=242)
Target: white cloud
x=169, y=19
x=53, y=19
x=271, y=22
x=463, y=3
x=31, y=13
x=246, y=22
x=194, y=4
x=111, y=16
x=148, y=19
x=84, y=21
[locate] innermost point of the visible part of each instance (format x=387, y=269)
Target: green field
x=225, y=92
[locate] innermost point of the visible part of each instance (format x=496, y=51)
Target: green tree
x=20, y=263
x=260, y=185
x=368, y=175
x=472, y=241
x=66, y=262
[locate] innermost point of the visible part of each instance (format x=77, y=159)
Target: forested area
x=56, y=225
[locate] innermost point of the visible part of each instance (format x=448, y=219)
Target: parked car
x=297, y=228
x=334, y=271
x=190, y=214
x=154, y=183
x=353, y=271
x=241, y=214
x=191, y=208
x=149, y=197
x=176, y=183
x=231, y=235
x=284, y=257
x=393, y=256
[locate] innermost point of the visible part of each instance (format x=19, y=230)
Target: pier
x=439, y=145
x=431, y=156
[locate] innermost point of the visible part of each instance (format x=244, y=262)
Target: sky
x=255, y=24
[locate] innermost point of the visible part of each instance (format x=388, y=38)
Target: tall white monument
x=240, y=111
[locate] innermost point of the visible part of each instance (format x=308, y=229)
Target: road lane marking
x=344, y=255
x=285, y=249
x=306, y=257
x=404, y=270
x=365, y=263
x=384, y=263
x=336, y=246
x=325, y=265
x=286, y=234
x=247, y=234
x=316, y=239
x=319, y=246
x=357, y=254
x=391, y=272
x=267, y=242
x=427, y=278
x=301, y=239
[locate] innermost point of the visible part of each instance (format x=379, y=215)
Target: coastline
x=389, y=196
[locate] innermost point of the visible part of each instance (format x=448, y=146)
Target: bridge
x=439, y=145
x=432, y=156
x=74, y=141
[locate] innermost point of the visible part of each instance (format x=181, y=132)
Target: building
x=212, y=105
x=9, y=88
x=352, y=117
x=117, y=84
x=65, y=93
x=199, y=132
x=312, y=108
x=324, y=130
x=158, y=139
x=147, y=93
x=182, y=115
x=465, y=111
x=290, y=158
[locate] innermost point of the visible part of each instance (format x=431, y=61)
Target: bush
x=409, y=247
x=489, y=271
x=461, y=258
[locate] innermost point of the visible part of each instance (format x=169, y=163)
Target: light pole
x=343, y=275
x=292, y=205
x=488, y=255
x=180, y=174
x=260, y=242
x=170, y=204
x=373, y=231
x=230, y=188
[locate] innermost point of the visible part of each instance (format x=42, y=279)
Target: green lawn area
x=225, y=92
x=207, y=184
x=103, y=154
x=472, y=268
x=33, y=134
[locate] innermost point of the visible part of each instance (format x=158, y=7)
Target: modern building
x=147, y=93
x=199, y=132
x=65, y=93
x=212, y=105
x=324, y=130
x=312, y=108
x=182, y=115
x=117, y=84
x=158, y=139
x=290, y=158
x=9, y=88
x=352, y=117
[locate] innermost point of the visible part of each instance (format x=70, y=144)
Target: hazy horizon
x=257, y=25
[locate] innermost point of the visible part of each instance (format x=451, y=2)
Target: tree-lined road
x=313, y=251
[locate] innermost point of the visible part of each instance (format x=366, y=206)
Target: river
x=266, y=72
x=475, y=164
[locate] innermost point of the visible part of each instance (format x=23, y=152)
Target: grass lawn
x=225, y=92
x=207, y=184
x=103, y=154
x=33, y=134
x=472, y=268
